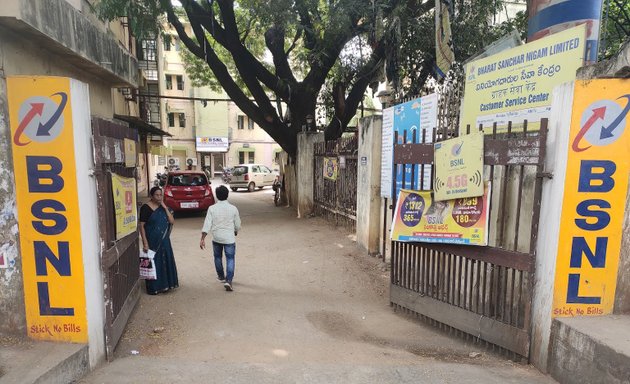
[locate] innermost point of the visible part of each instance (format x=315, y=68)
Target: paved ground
x=307, y=307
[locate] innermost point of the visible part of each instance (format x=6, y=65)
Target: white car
x=252, y=176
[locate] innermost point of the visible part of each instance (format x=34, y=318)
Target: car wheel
x=234, y=189
x=251, y=187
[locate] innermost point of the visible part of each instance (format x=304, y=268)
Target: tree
x=308, y=34
x=320, y=50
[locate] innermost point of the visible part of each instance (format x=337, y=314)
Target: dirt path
x=307, y=307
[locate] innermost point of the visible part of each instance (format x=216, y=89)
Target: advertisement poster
x=418, y=217
x=459, y=167
x=419, y=117
x=331, y=167
x=593, y=208
x=124, y=192
x=517, y=84
x=130, y=153
x=41, y=112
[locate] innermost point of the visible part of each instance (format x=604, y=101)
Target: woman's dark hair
x=153, y=190
x=222, y=192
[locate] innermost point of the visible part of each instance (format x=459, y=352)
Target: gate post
x=368, y=184
x=305, y=164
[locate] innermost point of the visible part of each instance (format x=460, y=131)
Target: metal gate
x=482, y=293
x=119, y=258
x=335, y=197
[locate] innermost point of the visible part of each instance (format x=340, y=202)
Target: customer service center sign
x=516, y=85
x=42, y=133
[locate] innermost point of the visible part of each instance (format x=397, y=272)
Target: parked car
x=251, y=176
x=188, y=191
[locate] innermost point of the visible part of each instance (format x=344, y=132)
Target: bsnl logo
x=41, y=120
x=596, y=179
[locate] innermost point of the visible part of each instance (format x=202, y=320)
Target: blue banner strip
x=566, y=11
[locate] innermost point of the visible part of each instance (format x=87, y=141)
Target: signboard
x=42, y=135
x=130, y=153
x=548, y=17
x=594, y=202
x=459, y=167
x=331, y=167
x=410, y=120
x=387, y=153
x=516, y=85
x=212, y=144
x=125, y=208
x=418, y=217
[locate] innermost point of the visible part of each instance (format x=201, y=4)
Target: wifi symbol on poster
x=476, y=178
x=439, y=184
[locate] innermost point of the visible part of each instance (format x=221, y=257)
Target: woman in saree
x=155, y=226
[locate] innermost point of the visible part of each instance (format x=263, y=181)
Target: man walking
x=223, y=220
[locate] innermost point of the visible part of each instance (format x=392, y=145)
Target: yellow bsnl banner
x=516, y=85
x=594, y=199
x=459, y=167
x=124, y=193
x=418, y=217
x=40, y=111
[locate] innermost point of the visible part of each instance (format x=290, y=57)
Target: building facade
x=248, y=142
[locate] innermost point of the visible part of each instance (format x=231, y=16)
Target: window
x=169, y=82
x=256, y=169
x=182, y=120
x=251, y=158
x=177, y=44
x=241, y=157
x=250, y=123
x=167, y=43
x=148, y=50
x=180, y=82
x=241, y=122
x=171, y=119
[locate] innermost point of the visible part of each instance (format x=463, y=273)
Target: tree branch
x=310, y=37
x=231, y=42
x=274, y=39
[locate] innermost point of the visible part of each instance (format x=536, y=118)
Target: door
x=119, y=256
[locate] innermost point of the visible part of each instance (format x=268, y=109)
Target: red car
x=188, y=191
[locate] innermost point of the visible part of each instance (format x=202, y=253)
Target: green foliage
x=143, y=16
x=616, y=28
x=472, y=30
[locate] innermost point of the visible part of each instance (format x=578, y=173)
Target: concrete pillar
x=369, y=184
x=305, y=165
x=549, y=228
x=13, y=320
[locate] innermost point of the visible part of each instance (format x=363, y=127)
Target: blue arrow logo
x=44, y=129
x=607, y=132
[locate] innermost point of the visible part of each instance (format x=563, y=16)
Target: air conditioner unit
x=173, y=162
x=191, y=161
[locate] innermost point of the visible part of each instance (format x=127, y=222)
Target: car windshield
x=238, y=171
x=187, y=180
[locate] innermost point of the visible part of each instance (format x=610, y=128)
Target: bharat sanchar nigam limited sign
x=517, y=84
